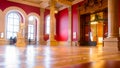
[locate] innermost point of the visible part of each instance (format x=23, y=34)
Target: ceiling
x=61, y=4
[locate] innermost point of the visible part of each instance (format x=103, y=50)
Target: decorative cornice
x=91, y=6
x=64, y=2
x=45, y=3
x=25, y=2
x=77, y=1
x=42, y=10
x=69, y=9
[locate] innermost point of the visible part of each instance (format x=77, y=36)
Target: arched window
x=13, y=22
x=47, y=25
x=32, y=28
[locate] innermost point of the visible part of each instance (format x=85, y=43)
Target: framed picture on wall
x=74, y=35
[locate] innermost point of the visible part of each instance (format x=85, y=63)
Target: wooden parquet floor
x=39, y=56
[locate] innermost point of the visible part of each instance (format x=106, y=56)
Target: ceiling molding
x=64, y=2
x=44, y=4
x=61, y=8
x=25, y=2
x=77, y=1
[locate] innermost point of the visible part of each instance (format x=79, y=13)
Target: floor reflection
x=30, y=56
x=99, y=64
x=11, y=57
x=47, y=53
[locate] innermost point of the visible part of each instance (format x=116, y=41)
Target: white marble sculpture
x=20, y=38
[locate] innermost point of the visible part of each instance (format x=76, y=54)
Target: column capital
x=52, y=2
x=42, y=10
x=69, y=8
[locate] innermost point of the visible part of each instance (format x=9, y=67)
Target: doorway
x=97, y=28
x=93, y=28
x=96, y=33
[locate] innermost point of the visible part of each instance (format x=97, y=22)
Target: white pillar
x=113, y=18
x=41, y=28
x=113, y=25
x=69, y=25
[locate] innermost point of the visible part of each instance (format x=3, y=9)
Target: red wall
x=74, y=21
x=28, y=9
x=62, y=25
x=57, y=26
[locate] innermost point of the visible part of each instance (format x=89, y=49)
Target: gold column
x=113, y=26
x=52, y=40
x=69, y=26
x=41, y=28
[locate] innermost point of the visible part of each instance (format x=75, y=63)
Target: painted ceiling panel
x=45, y=3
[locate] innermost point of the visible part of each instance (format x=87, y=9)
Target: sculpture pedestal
x=20, y=40
x=52, y=42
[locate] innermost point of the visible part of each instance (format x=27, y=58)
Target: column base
x=69, y=43
x=112, y=43
x=52, y=43
x=74, y=43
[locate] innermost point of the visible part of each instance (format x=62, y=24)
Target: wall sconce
x=74, y=35
x=56, y=11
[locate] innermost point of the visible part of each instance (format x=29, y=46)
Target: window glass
x=31, y=27
x=13, y=20
x=48, y=25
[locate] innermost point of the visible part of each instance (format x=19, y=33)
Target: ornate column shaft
x=41, y=28
x=113, y=26
x=69, y=25
x=52, y=40
x=52, y=19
